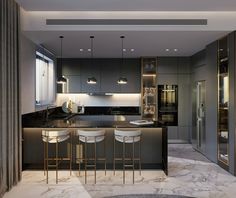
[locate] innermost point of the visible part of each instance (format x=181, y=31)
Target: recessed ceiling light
x=175, y=50
x=132, y=50
x=124, y=50
x=89, y=50
x=221, y=49
x=81, y=49
x=167, y=49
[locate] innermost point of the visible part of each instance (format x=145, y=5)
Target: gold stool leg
x=44, y=158
x=47, y=159
x=105, y=159
x=85, y=160
x=95, y=161
x=140, y=156
x=57, y=162
x=70, y=154
x=123, y=160
x=114, y=156
x=133, y=160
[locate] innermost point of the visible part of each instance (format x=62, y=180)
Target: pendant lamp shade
x=61, y=80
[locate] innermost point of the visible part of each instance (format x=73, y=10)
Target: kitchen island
x=153, y=144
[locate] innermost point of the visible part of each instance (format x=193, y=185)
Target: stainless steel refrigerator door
x=200, y=115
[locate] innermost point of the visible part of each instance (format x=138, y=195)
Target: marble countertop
x=75, y=123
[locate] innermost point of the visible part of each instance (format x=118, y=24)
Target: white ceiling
x=128, y=5
x=146, y=40
x=108, y=43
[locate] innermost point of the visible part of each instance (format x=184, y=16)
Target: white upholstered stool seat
x=56, y=137
x=127, y=136
x=91, y=137
x=130, y=138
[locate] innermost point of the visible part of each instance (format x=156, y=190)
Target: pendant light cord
x=91, y=37
x=122, y=49
x=61, y=37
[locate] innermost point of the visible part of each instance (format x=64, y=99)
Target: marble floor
x=190, y=174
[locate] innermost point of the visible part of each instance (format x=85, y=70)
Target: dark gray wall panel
x=211, y=101
x=184, y=65
x=231, y=44
x=167, y=65
x=173, y=133
x=171, y=79
x=198, y=59
x=184, y=100
x=176, y=71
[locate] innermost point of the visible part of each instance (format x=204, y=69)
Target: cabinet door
x=74, y=84
x=132, y=71
x=167, y=65
x=71, y=66
x=183, y=65
x=88, y=71
x=109, y=77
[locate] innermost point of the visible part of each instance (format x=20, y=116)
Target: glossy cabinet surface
x=223, y=101
x=106, y=71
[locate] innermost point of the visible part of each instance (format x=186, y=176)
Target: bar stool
x=55, y=137
x=91, y=137
x=127, y=137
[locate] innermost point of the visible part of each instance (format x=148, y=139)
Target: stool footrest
x=135, y=159
x=54, y=159
x=128, y=165
x=90, y=165
x=91, y=159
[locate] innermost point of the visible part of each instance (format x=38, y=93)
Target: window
x=45, y=80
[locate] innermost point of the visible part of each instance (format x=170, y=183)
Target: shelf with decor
x=149, y=89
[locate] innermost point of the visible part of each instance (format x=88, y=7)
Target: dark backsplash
x=112, y=110
x=57, y=113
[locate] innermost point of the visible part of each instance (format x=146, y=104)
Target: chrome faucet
x=47, y=111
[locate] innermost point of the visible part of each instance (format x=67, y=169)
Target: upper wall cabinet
x=167, y=65
x=71, y=66
x=132, y=71
x=106, y=72
x=90, y=71
x=109, y=76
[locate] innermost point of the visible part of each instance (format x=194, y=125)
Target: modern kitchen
x=117, y=100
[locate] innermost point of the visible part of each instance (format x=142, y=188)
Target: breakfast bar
x=153, y=141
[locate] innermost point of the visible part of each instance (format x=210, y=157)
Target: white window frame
x=44, y=80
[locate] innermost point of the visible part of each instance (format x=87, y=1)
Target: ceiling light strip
x=126, y=21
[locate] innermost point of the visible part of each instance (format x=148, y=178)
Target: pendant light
x=92, y=80
x=61, y=79
x=122, y=80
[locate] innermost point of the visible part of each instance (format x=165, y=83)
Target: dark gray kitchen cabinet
x=88, y=71
x=167, y=65
x=71, y=66
x=109, y=77
x=74, y=84
x=106, y=70
x=132, y=71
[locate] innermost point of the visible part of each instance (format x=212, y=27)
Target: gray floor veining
x=190, y=175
